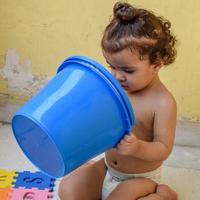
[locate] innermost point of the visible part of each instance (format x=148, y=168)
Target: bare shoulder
x=165, y=100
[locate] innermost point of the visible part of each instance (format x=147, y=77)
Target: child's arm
x=164, y=132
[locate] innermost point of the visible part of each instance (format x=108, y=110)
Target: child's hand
x=128, y=145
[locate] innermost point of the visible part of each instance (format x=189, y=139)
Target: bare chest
x=144, y=119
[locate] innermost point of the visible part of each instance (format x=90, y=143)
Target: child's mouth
x=124, y=86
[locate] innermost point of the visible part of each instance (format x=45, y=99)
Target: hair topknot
x=123, y=11
x=141, y=30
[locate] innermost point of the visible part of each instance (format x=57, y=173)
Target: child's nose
x=119, y=76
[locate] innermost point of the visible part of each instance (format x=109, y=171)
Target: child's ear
x=157, y=66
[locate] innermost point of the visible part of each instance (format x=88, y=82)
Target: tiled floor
x=181, y=170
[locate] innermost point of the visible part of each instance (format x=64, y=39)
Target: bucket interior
x=38, y=146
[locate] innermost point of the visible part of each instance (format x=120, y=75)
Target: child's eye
x=130, y=72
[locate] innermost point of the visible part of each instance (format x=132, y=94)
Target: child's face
x=133, y=73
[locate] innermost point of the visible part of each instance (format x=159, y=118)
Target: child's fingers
x=121, y=148
x=122, y=142
x=129, y=138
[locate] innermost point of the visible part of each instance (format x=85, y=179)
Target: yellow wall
x=39, y=35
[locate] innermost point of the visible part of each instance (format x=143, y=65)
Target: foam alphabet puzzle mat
x=25, y=185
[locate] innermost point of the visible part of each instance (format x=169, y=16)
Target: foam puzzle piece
x=6, y=178
x=4, y=193
x=30, y=194
x=38, y=180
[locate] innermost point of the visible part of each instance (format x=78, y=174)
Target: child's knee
x=166, y=191
x=63, y=188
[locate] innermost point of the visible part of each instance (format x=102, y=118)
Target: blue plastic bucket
x=79, y=114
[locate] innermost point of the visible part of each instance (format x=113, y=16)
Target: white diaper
x=114, y=178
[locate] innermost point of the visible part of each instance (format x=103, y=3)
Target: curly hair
x=139, y=29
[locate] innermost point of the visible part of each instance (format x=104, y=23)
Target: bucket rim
x=106, y=75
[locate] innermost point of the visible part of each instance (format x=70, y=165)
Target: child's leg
x=84, y=183
x=163, y=192
x=133, y=189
